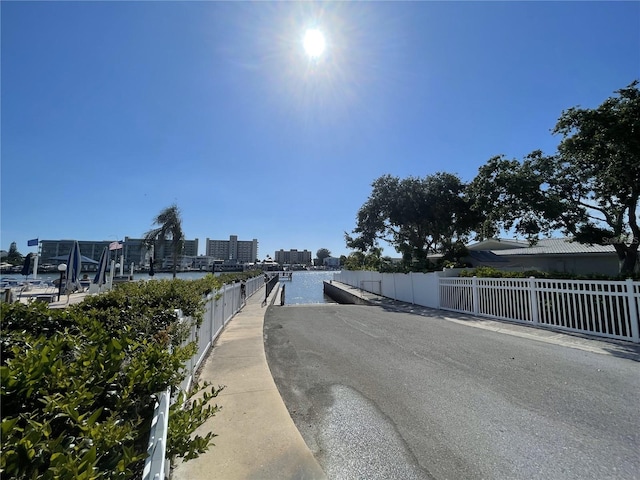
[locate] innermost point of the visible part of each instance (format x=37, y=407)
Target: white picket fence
x=602, y=308
x=221, y=306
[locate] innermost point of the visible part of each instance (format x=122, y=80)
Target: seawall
x=345, y=294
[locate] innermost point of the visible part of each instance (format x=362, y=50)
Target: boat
x=14, y=289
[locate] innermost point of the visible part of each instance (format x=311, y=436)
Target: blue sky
x=112, y=111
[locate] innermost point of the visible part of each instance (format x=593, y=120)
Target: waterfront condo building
x=293, y=257
x=133, y=251
x=233, y=250
x=55, y=252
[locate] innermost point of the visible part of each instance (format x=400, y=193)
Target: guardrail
x=220, y=307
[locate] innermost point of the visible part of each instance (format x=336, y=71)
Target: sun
x=314, y=43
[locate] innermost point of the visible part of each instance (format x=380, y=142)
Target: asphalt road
x=379, y=394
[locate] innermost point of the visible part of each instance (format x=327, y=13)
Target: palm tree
x=169, y=229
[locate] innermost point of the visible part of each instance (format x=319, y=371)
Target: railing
x=155, y=467
x=270, y=282
x=608, y=309
x=603, y=308
x=221, y=306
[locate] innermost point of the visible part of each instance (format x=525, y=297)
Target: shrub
x=76, y=405
x=78, y=385
x=492, y=272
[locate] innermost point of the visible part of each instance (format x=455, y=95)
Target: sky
x=113, y=111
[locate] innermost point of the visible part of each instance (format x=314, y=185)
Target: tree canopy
x=418, y=216
x=14, y=257
x=589, y=189
x=169, y=230
x=323, y=253
x=508, y=195
x=599, y=172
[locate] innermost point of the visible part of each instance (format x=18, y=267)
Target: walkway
x=257, y=438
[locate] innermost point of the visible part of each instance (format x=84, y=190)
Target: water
x=305, y=286
x=49, y=277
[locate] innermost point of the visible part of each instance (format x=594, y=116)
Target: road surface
x=381, y=394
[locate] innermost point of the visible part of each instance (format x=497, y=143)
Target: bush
x=78, y=385
x=491, y=272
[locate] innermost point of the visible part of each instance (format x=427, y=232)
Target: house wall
x=576, y=264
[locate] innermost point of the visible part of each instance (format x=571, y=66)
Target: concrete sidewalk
x=257, y=438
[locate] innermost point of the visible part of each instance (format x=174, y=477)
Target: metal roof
x=557, y=246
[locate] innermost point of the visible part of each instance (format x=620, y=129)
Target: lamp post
x=61, y=268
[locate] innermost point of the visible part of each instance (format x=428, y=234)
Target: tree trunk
x=628, y=256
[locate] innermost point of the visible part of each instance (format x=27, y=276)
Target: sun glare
x=314, y=43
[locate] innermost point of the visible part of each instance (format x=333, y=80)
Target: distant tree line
x=589, y=189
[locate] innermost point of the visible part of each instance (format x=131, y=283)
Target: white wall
x=416, y=288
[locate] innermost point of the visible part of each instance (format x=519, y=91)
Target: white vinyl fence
x=221, y=306
x=603, y=308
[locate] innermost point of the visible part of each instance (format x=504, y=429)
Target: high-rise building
x=293, y=257
x=163, y=252
x=233, y=250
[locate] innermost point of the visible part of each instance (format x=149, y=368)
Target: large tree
x=14, y=257
x=169, y=230
x=417, y=216
x=321, y=254
x=508, y=195
x=590, y=189
x=599, y=162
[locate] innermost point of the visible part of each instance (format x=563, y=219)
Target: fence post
x=211, y=301
x=224, y=304
x=633, y=312
x=533, y=298
x=474, y=295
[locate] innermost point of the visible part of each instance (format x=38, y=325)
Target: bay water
x=304, y=286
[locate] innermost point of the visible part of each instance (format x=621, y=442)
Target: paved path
x=257, y=438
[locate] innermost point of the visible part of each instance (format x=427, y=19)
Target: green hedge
x=491, y=272
x=78, y=384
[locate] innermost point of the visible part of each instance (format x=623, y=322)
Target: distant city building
x=55, y=252
x=293, y=257
x=163, y=254
x=331, y=262
x=200, y=262
x=133, y=250
x=233, y=250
